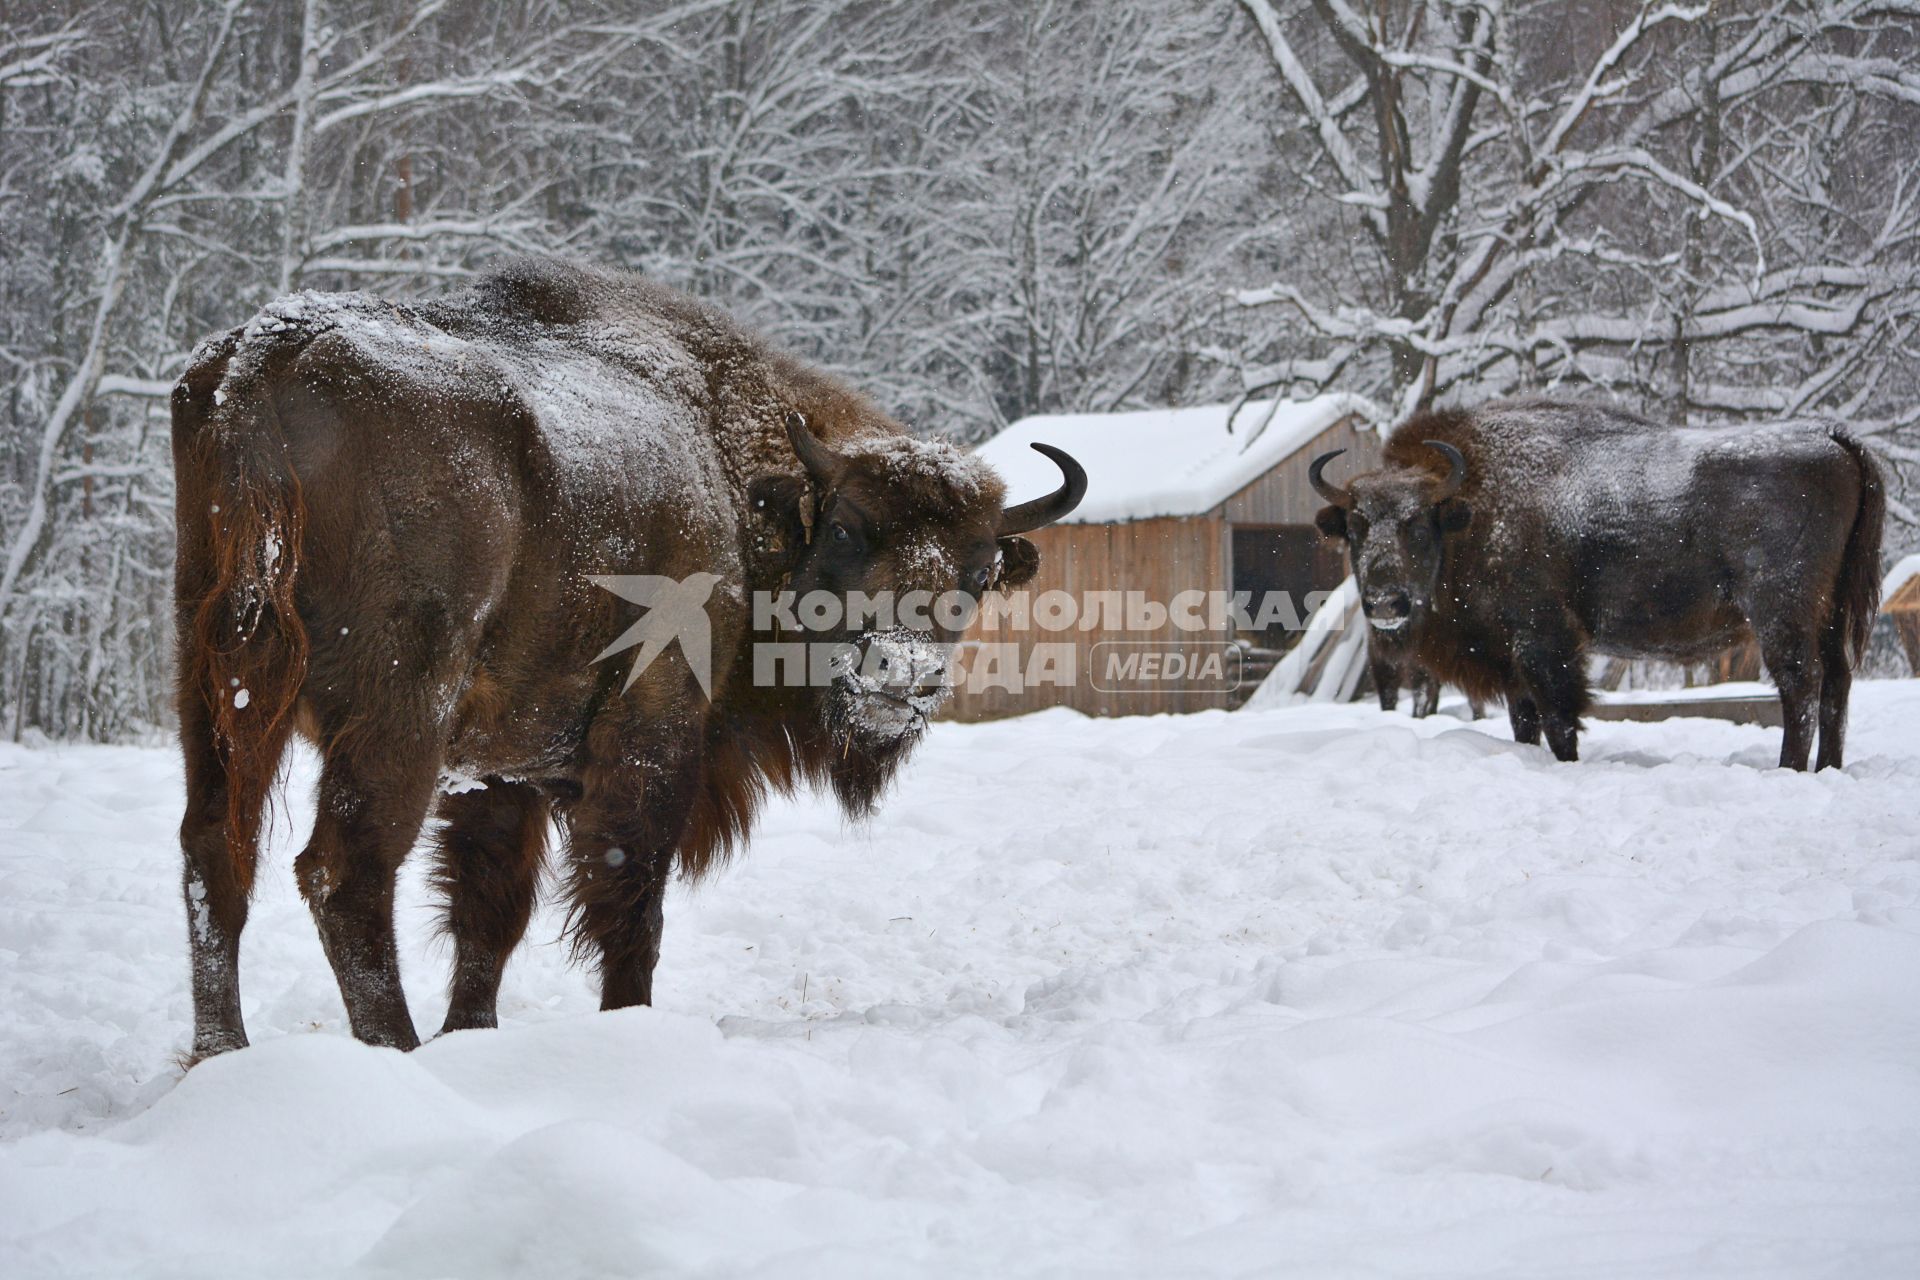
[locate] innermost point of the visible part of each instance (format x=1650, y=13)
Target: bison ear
x=786, y=503
x=1332, y=521
x=1455, y=516
x=1019, y=561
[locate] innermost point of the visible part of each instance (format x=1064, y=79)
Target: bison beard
x=1500, y=546
x=389, y=520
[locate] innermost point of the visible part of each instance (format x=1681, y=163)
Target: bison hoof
x=212, y=1044
x=405, y=1040
x=469, y=1020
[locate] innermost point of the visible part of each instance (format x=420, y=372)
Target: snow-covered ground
x=1308, y=992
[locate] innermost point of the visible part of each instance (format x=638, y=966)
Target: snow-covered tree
x=976, y=209
x=163, y=169
x=1700, y=206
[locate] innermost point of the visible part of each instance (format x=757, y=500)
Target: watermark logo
x=884, y=642
x=676, y=613
x=1146, y=666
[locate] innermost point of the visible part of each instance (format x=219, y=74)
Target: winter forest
x=977, y=210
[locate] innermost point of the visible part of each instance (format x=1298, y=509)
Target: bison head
x=891, y=543
x=1395, y=523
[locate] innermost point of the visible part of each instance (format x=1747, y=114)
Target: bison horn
x=1057, y=505
x=1326, y=488
x=820, y=461
x=1456, y=473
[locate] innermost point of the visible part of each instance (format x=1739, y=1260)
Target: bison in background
x=390, y=522
x=1502, y=545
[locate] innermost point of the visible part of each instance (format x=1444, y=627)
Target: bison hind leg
x=1793, y=660
x=215, y=883
x=372, y=800
x=1836, y=686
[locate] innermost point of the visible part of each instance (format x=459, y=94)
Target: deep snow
x=1305, y=992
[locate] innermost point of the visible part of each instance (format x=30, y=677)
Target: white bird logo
x=676, y=610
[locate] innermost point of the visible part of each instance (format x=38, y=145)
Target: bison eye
x=981, y=577
x=840, y=533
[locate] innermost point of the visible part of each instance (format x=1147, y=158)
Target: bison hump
x=542, y=291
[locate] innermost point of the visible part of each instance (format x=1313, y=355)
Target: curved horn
x=820, y=461
x=1326, y=488
x=1057, y=505
x=1456, y=475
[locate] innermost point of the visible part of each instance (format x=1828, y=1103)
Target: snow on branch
x=27, y=61
x=116, y=384
x=1597, y=87
x=1697, y=217
x=1644, y=163
x=1327, y=124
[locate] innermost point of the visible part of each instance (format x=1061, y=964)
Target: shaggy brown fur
x=389, y=517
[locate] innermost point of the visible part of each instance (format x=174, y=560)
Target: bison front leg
x=1553, y=671
x=622, y=839
x=488, y=864
x=1386, y=678
x=618, y=882
x=1524, y=716
x=1426, y=693
x=1563, y=735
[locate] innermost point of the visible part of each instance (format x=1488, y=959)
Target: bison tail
x=1857, y=599
x=240, y=518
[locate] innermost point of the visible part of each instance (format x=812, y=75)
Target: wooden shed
x=1900, y=599
x=1176, y=503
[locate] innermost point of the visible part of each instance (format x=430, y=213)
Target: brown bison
x=395, y=526
x=1502, y=545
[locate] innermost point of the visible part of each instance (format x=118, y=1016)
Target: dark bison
x=391, y=520
x=1502, y=545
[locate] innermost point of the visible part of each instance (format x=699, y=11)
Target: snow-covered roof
x=1900, y=575
x=1162, y=462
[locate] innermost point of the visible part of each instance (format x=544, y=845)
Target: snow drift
x=1308, y=992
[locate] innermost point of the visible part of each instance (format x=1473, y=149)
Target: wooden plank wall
x=1905, y=600
x=1159, y=558
x=1904, y=608
x=1283, y=496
